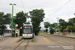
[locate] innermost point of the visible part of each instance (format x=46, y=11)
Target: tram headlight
x=23, y=35
x=30, y=34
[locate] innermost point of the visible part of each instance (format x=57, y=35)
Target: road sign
x=17, y=31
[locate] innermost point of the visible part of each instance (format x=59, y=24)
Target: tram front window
x=27, y=30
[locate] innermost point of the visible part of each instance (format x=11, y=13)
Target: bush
x=52, y=31
x=1, y=31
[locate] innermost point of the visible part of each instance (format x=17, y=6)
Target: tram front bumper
x=27, y=35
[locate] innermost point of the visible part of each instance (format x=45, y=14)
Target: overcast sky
x=50, y=8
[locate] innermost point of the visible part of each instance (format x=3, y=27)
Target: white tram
x=27, y=31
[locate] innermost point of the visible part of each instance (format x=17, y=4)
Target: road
x=60, y=40
x=56, y=43
x=43, y=42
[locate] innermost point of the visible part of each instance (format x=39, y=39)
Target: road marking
x=46, y=40
x=14, y=40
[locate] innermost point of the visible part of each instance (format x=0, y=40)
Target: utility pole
x=57, y=24
x=12, y=19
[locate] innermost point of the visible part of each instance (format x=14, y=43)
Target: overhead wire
x=60, y=7
x=23, y=5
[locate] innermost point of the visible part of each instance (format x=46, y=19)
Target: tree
x=46, y=30
x=4, y=19
x=62, y=24
x=73, y=28
x=46, y=25
x=27, y=23
x=69, y=27
x=71, y=21
x=19, y=19
x=54, y=25
x=36, y=16
x=52, y=28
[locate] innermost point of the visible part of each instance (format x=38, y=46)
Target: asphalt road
x=58, y=43
x=60, y=40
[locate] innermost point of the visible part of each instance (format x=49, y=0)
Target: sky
x=53, y=9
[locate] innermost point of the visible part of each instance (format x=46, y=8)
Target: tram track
x=25, y=46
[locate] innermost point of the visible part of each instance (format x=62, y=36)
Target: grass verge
x=19, y=40
x=42, y=32
x=32, y=39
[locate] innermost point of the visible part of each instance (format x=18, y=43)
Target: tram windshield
x=27, y=30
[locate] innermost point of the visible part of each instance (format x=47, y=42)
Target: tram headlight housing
x=23, y=34
x=30, y=34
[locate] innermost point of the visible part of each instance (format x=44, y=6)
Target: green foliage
x=46, y=24
x=71, y=24
x=19, y=40
x=71, y=21
x=27, y=23
x=73, y=28
x=53, y=26
x=32, y=39
x=69, y=27
x=62, y=24
x=1, y=30
x=4, y=19
x=19, y=19
x=46, y=30
x=36, y=29
x=52, y=30
x=36, y=16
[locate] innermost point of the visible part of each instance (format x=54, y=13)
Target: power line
x=60, y=7
x=23, y=5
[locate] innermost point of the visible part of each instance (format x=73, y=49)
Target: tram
x=27, y=31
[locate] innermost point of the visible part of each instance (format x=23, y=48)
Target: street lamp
x=12, y=19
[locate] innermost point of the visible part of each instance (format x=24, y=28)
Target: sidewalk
x=10, y=41
x=67, y=35
x=6, y=35
x=71, y=36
